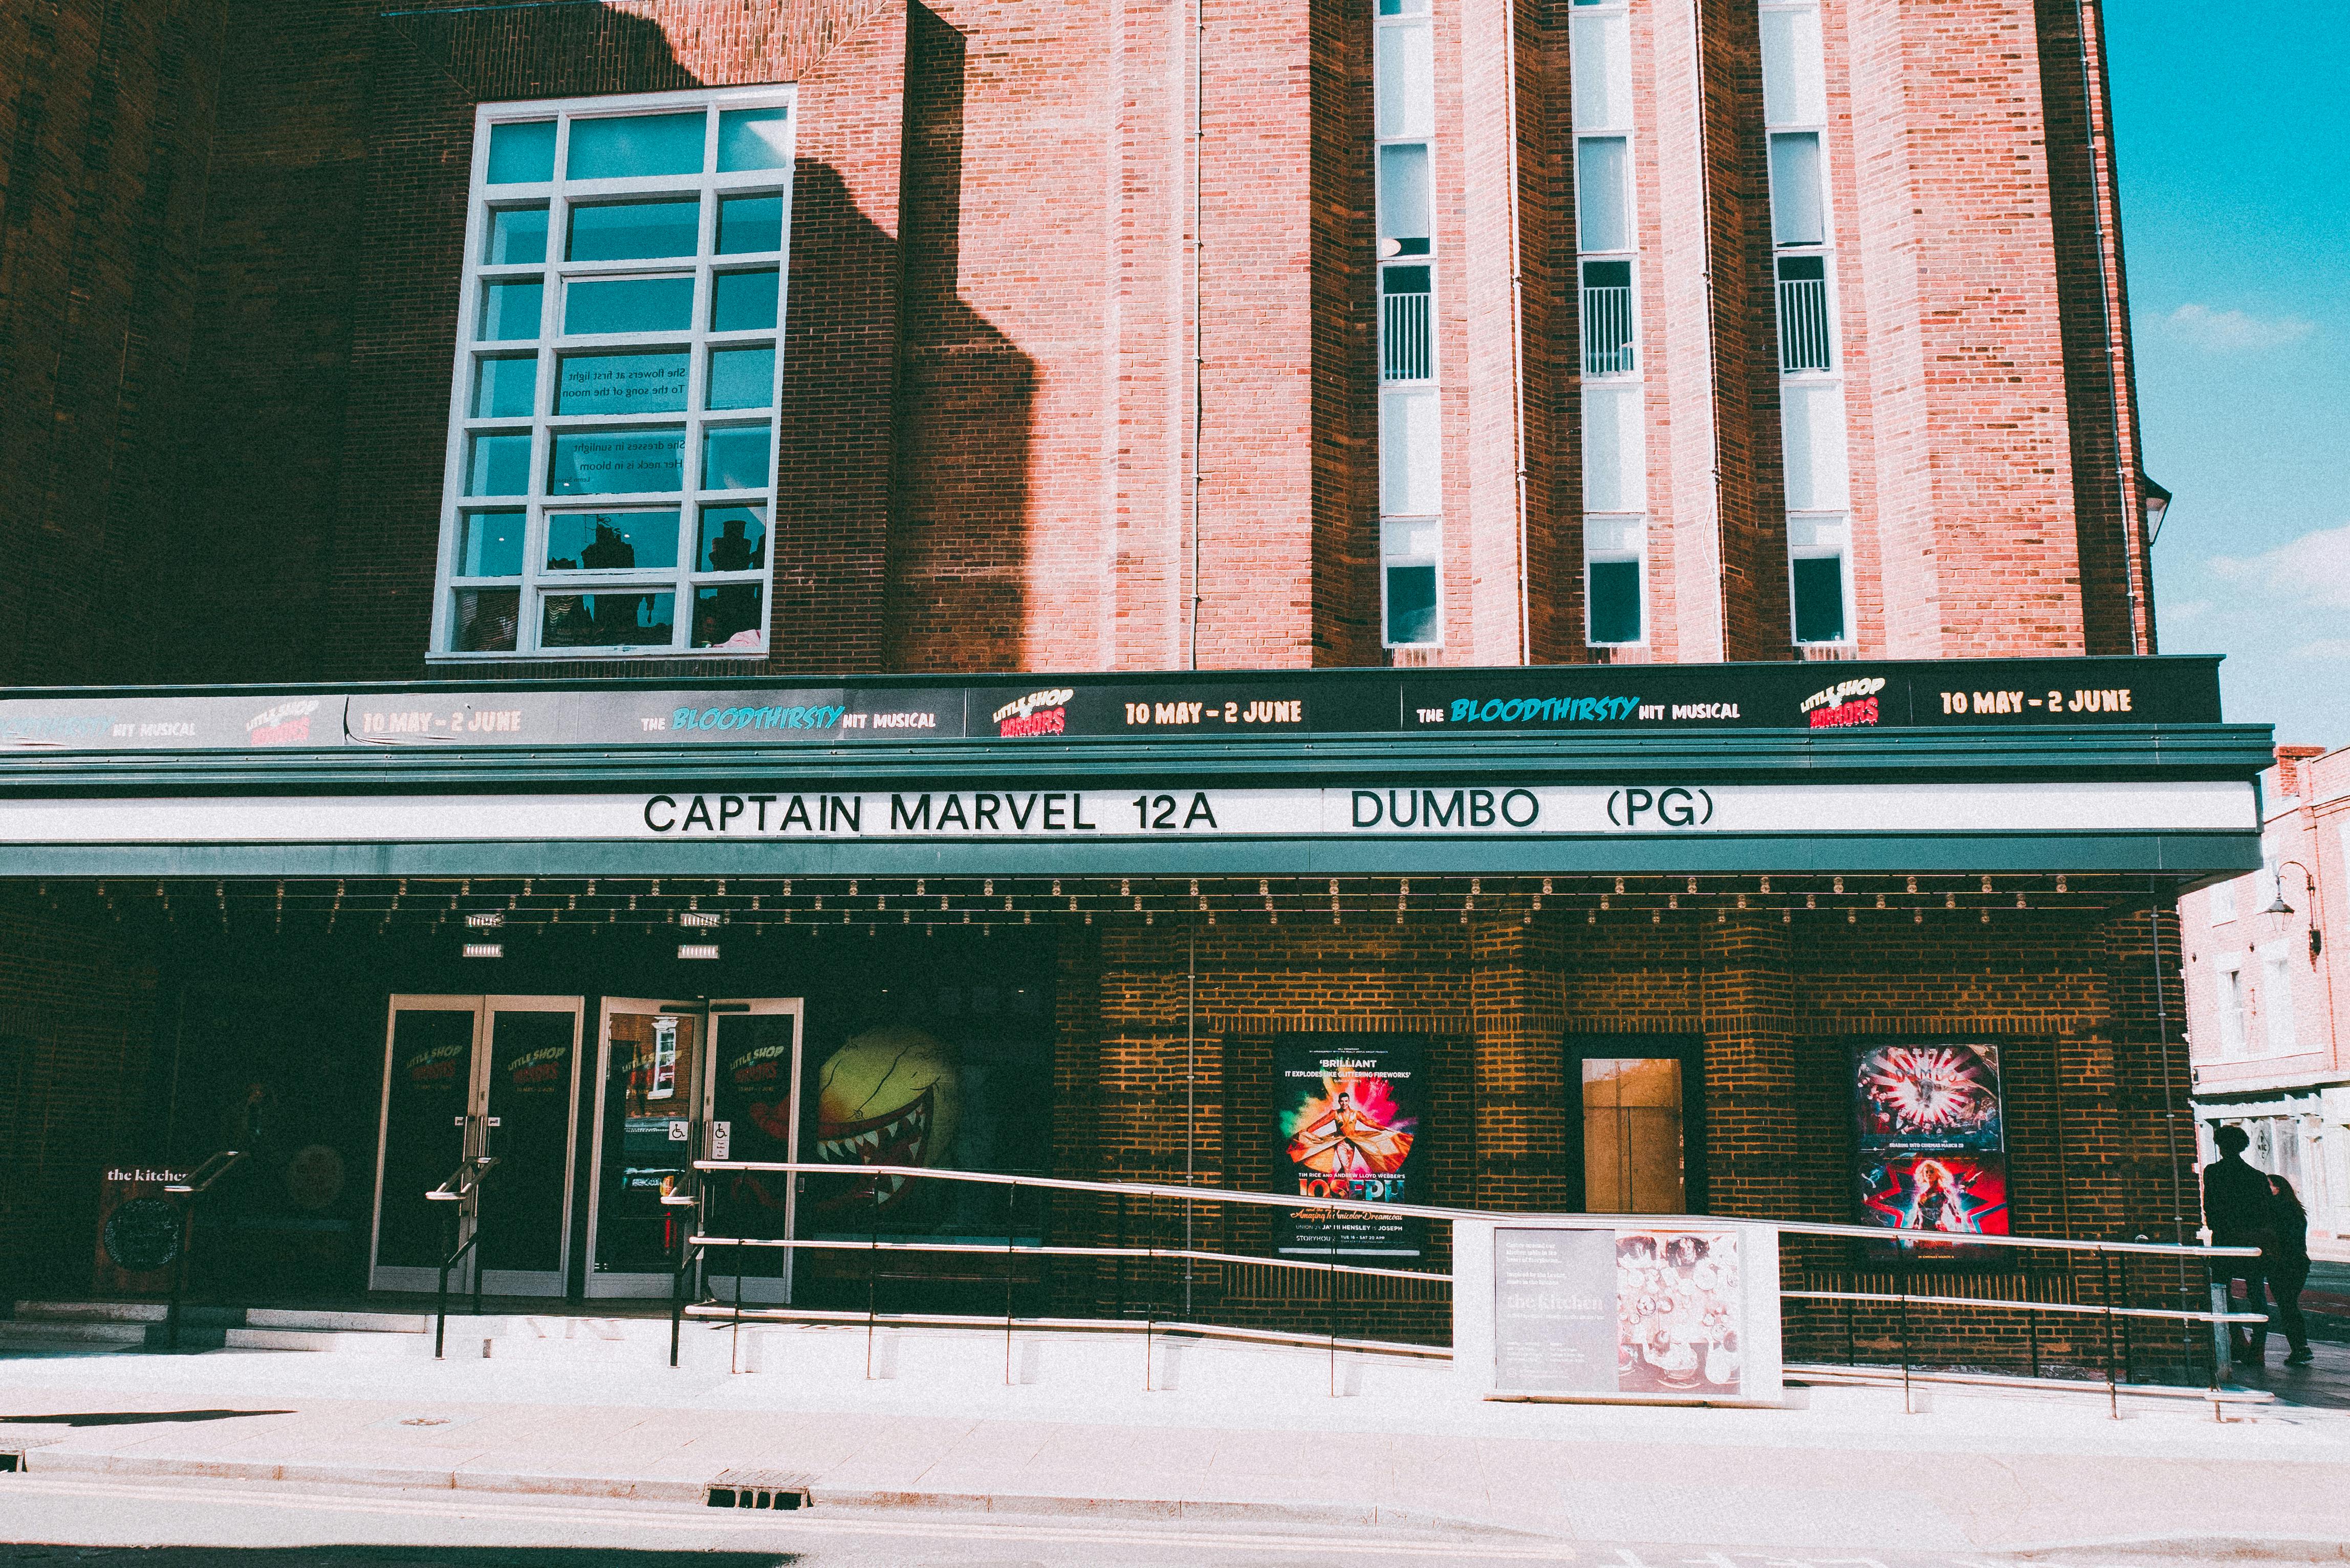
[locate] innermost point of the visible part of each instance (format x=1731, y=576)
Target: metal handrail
x=1438, y=1211
x=464, y=1185
x=198, y=1182
x=1905, y=1245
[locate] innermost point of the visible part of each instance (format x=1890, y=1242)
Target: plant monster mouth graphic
x=901, y=1137
x=889, y=1096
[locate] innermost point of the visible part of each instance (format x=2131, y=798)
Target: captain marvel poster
x=1352, y=1114
x=1931, y=1146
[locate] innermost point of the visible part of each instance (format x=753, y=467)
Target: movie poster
x=1931, y=1146
x=1351, y=1112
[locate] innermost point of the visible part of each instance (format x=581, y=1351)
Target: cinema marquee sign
x=1171, y=809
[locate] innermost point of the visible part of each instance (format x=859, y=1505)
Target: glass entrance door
x=649, y=1109
x=466, y=1075
x=754, y=1114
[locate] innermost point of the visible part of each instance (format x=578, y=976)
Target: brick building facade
x=1777, y=339
x=1045, y=265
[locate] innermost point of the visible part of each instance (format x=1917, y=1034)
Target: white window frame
x=696, y=341
x=2221, y=902
x=1397, y=548
x=1804, y=543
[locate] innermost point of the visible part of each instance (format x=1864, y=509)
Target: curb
x=37, y=1461
x=2249, y=1548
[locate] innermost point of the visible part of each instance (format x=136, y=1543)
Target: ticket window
x=1639, y=1127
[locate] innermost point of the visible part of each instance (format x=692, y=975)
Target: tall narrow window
x=1615, y=452
x=612, y=437
x=2276, y=1000
x=2231, y=1010
x=1410, y=453
x=1817, y=467
x=1633, y=1158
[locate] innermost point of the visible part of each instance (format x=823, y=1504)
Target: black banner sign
x=1046, y=710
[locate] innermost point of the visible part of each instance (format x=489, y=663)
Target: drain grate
x=757, y=1489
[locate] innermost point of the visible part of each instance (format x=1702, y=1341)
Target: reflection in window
x=518, y=237
x=733, y=539
x=727, y=615
x=498, y=465
x=626, y=461
x=489, y=544
x=743, y=301
x=626, y=231
x=1632, y=1155
x=741, y=377
x=631, y=146
x=612, y=620
x=747, y=224
x=485, y=620
x=620, y=383
x=753, y=139
x=522, y=153
x=510, y=311
x=596, y=306
x=610, y=541
x=1411, y=605
x=735, y=458
x=505, y=389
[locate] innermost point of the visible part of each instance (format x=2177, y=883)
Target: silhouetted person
x=2239, y=1210
x=609, y=550
x=2286, y=1263
x=614, y=614
x=730, y=552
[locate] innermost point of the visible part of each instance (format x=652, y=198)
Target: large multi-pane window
x=611, y=478
x=1411, y=531
x=1615, y=445
x=1811, y=385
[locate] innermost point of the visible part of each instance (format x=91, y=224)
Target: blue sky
x=2235, y=200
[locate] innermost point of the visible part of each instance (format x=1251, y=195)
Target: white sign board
x=1164, y=811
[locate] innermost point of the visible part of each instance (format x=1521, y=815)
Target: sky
x=2234, y=139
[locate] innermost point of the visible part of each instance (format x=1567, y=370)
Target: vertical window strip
x=1615, y=445
x=1410, y=453
x=1813, y=417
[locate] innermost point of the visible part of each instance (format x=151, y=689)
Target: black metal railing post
x=2104, y=1282
x=1901, y=1284
x=1011, y=1208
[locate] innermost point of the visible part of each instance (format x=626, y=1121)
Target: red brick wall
x=989, y=417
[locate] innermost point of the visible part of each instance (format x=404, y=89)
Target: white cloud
x=2325, y=647
x=2237, y=331
x=2187, y=609
x=2312, y=570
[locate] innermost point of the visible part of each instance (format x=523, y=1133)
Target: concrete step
x=32, y=1331
x=92, y=1311
x=338, y=1322
x=341, y=1341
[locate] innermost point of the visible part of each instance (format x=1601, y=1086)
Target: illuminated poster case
x=1929, y=1145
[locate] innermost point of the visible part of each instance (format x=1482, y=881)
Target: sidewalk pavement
x=1242, y=1433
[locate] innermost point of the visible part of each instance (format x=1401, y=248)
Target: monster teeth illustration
x=889, y=1096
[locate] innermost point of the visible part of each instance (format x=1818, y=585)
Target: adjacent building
x=2265, y=1013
